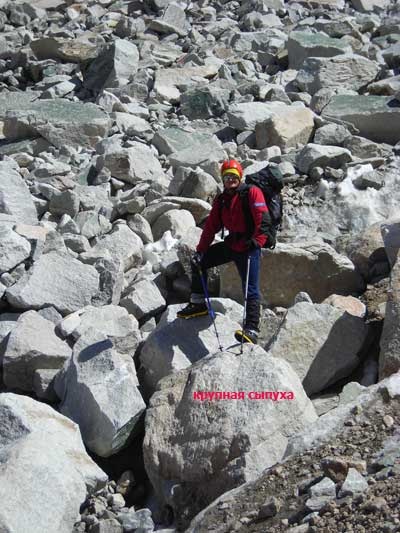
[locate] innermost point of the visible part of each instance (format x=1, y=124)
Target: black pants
x=220, y=254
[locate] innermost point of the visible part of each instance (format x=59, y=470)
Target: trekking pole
x=246, y=289
x=210, y=309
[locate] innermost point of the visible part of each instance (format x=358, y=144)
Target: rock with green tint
x=376, y=117
x=303, y=44
x=13, y=101
x=204, y=102
x=59, y=121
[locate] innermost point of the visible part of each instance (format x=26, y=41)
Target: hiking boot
x=248, y=335
x=193, y=310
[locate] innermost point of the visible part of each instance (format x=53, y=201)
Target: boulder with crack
x=105, y=382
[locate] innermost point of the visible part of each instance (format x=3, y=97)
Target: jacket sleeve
x=212, y=226
x=260, y=214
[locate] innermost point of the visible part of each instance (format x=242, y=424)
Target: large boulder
x=14, y=249
x=44, y=451
x=314, y=268
x=144, y=300
x=15, y=198
x=303, y=44
x=177, y=343
x=376, y=117
x=288, y=128
x=177, y=221
x=113, y=67
x=105, y=382
x=59, y=121
x=168, y=80
x=245, y=116
x=55, y=279
x=321, y=342
x=389, y=357
x=316, y=155
x=347, y=71
x=206, y=430
x=32, y=345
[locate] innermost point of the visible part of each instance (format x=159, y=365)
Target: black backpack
x=270, y=182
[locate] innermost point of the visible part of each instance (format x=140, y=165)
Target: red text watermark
x=243, y=395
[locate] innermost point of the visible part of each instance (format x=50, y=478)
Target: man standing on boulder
x=228, y=212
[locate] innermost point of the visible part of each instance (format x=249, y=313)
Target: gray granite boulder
x=245, y=116
x=15, y=198
x=177, y=221
x=314, y=268
x=32, y=345
x=122, y=244
x=227, y=436
x=302, y=45
x=315, y=155
x=105, y=382
x=144, y=300
x=205, y=102
x=347, y=71
x=55, y=279
x=44, y=451
x=113, y=67
x=321, y=342
x=376, y=117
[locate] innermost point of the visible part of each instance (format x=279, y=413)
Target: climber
x=241, y=243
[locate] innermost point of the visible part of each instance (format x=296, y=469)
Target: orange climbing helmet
x=232, y=166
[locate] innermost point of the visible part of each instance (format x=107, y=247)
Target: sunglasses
x=230, y=177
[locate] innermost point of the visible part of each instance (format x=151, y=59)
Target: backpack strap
x=220, y=200
x=243, y=191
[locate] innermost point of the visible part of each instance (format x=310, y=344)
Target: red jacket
x=232, y=217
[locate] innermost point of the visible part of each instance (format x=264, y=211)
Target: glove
x=197, y=259
x=252, y=244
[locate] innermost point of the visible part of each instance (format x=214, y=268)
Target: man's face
x=231, y=182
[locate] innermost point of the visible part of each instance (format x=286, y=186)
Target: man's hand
x=197, y=259
x=252, y=244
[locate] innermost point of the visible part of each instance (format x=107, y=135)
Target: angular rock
x=134, y=164
x=202, y=155
x=296, y=125
x=59, y=121
x=55, y=279
x=245, y=117
x=34, y=434
x=59, y=49
x=389, y=356
x=205, y=102
x=9, y=101
x=105, y=382
x=291, y=268
x=32, y=345
x=354, y=483
x=376, y=117
x=168, y=80
x=144, y=300
x=320, y=342
x=15, y=198
x=229, y=438
x=122, y=244
x=64, y=202
x=332, y=134
x=141, y=227
x=113, y=67
x=177, y=221
x=352, y=306
x=14, y=249
x=315, y=155
x=200, y=185
x=199, y=208
x=347, y=71
x=366, y=6
x=302, y=45
x=321, y=494
x=172, y=21
x=92, y=224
